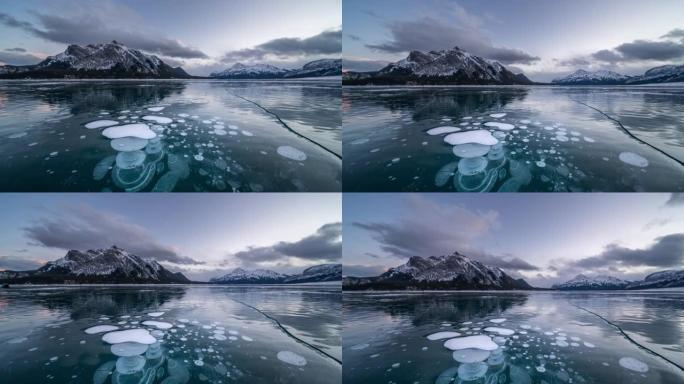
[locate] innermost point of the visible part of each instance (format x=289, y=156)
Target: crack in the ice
x=288, y=127
x=629, y=338
x=627, y=131
x=288, y=333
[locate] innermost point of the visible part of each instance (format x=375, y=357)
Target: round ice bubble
x=130, y=160
x=479, y=136
x=472, y=166
x=633, y=364
x=130, y=365
x=291, y=358
x=476, y=341
x=128, y=144
x=441, y=130
x=158, y=324
x=101, y=124
x=501, y=126
x=443, y=335
x=470, y=355
x=497, y=115
x=136, y=335
x=158, y=119
x=633, y=159
x=500, y=331
x=471, y=371
x=138, y=130
x=291, y=153
x=128, y=349
x=101, y=328
x=469, y=150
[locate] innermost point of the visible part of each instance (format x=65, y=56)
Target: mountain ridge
x=316, y=273
x=660, y=279
x=656, y=75
x=316, y=68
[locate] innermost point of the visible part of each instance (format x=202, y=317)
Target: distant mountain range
x=454, y=271
x=111, y=60
x=317, y=68
x=102, y=266
x=453, y=66
x=663, y=279
x=317, y=273
x=662, y=74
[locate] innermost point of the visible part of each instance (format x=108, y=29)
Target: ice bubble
x=101, y=124
x=470, y=355
x=100, y=329
x=479, y=136
x=127, y=144
x=136, y=335
x=291, y=358
x=589, y=139
x=500, y=331
x=247, y=338
x=469, y=150
x=155, y=314
x=589, y=345
x=633, y=159
x=497, y=321
x=158, y=324
x=247, y=133
x=130, y=160
x=129, y=349
x=444, y=173
x=183, y=115
x=472, y=166
x=138, y=130
x=291, y=153
x=158, y=119
x=477, y=341
x=441, y=130
x=497, y=115
x=155, y=109
x=220, y=337
x=562, y=343
x=501, y=126
x=199, y=363
x=633, y=364
x=443, y=335
x=359, y=347
x=17, y=340
x=541, y=164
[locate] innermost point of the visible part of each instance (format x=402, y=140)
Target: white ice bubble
x=158, y=119
x=501, y=126
x=158, y=324
x=130, y=160
x=500, y=331
x=127, y=144
x=136, y=335
x=155, y=314
x=129, y=349
x=472, y=166
x=443, y=335
x=589, y=345
x=291, y=358
x=477, y=341
x=633, y=159
x=247, y=338
x=291, y=153
x=469, y=150
x=470, y=355
x=155, y=109
x=633, y=364
x=497, y=115
x=589, y=139
x=138, y=130
x=101, y=124
x=219, y=337
x=497, y=321
x=479, y=136
x=359, y=347
x=441, y=130
x=247, y=133
x=100, y=329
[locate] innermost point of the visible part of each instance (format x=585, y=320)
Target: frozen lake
x=200, y=135
x=528, y=337
x=171, y=334
x=513, y=139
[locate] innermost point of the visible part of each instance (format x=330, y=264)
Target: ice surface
x=470, y=355
x=291, y=358
x=478, y=136
x=128, y=349
x=500, y=331
x=100, y=329
x=502, y=126
x=633, y=159
x=138, y=130
x=291, y=153
x=633, y=364
x=158, y=324
x=158, y=119
x=477, y=341
x=136, y=335
x=441, y=130
x=101, y=124
x=443, y=335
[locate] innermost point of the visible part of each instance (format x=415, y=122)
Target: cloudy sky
x=202, y=36
x=201, y=235
x=544, y=39
x=545, y=238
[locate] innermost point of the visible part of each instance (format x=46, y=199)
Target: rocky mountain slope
x=317, y=68
x=102, y=266
x=582, y=282
x=111, y=60
x=662, y=279
x=454, y=271
x=662, y=74
x=453, y=66
x=317, y=273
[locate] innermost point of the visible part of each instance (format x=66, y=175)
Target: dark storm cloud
x=82, y=227
x=353, y=37
x=429, y=34
x=14, y=58
x=15, y=50
x=101, y=25
x=676, y=33
x=603, y=55
x=325, y=43
x=18, y=263
x=323, y=245
x=651, y=50
x=666, y=251
x=675, y=200
x=363, y=65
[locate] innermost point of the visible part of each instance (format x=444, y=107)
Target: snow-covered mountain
x=662, y=74
x=454, y=271
x=662, y=279
x=317, y=273
x=107, y=266
x=582, y=282
x=111, y=60
x=582, y=77
x=317, y=68
x=453, y=66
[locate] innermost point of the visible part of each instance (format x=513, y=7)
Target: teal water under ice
x=203, y=135
x=528, y=337
x=529, y=139
x=182, y=334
